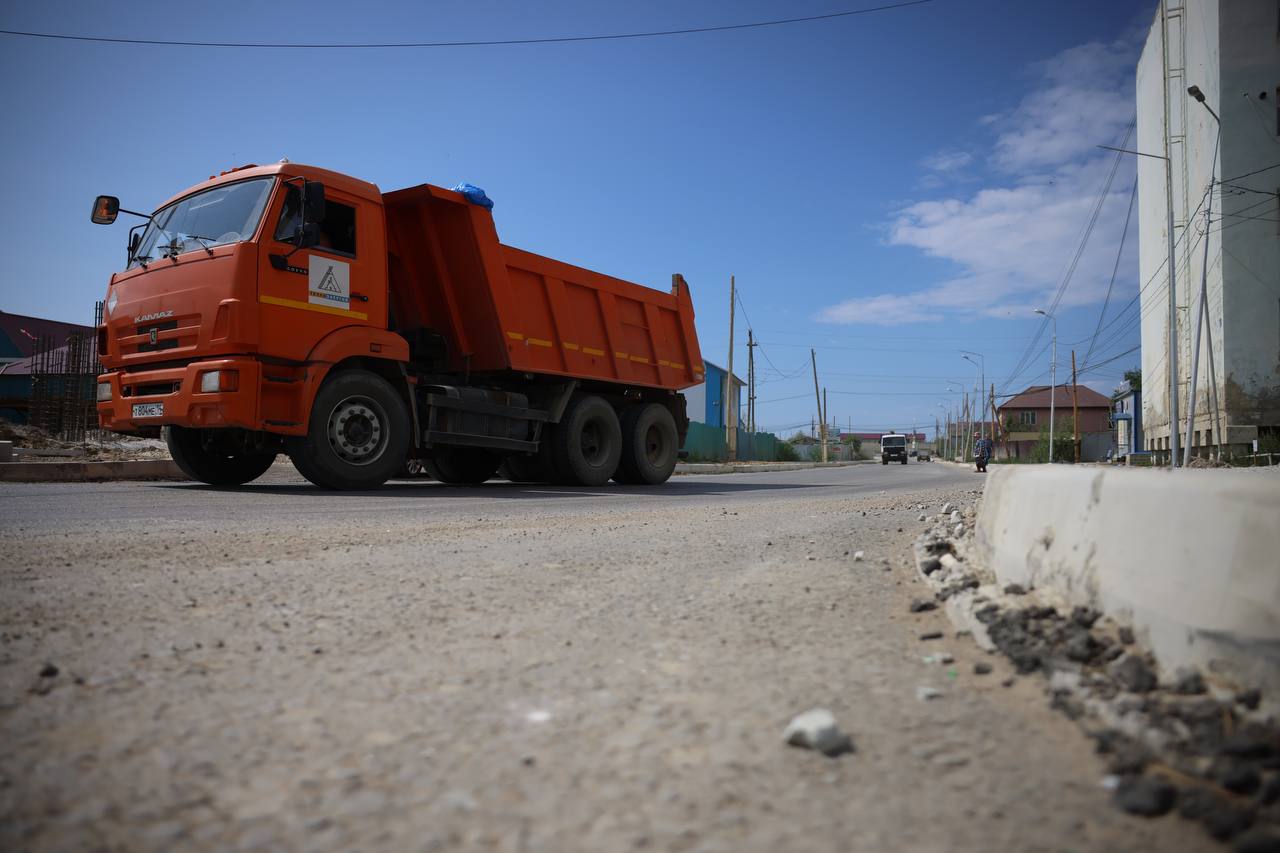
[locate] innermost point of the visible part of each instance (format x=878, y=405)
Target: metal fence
x=64, y=373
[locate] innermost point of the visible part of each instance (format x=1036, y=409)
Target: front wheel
x=215, y=457
x=358, y=435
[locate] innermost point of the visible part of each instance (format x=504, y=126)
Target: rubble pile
x=1172, y=743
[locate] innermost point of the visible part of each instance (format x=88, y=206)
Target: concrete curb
x=756, y=467
x=80, y=472
x=1189, y=562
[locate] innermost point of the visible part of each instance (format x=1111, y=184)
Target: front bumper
x=184, y=404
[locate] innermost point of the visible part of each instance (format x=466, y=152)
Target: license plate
x=148, y=410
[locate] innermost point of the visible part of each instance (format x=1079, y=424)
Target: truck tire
x=358, y=435
x=463, y=466
x=526, y=468
x=884, y=460
x=904, y=461
x=650, y=444
x=587, y=443
x=207, y=462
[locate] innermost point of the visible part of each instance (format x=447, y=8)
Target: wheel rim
x=357, y=430
x=594, y=448
x=654, y=445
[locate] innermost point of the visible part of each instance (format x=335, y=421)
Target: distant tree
x=1134, y=378
x=853, y=441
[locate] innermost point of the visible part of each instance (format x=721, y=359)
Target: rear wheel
x=587, y=443
x=463, y=466
x=358, y=436
x=215, y=456
x=650, y=444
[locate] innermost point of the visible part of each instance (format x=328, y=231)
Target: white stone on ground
x=817, y=729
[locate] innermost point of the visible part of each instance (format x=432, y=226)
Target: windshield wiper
x=202, y=240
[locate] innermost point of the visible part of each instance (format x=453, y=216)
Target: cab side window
x=337, y=231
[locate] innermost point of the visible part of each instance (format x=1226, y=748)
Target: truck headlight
x=213, y=381
x=104, y=392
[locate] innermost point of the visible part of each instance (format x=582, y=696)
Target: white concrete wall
x=1227, y=48
x=1250, y=248
x=1190, y=559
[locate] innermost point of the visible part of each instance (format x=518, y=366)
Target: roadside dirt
x=615, y=678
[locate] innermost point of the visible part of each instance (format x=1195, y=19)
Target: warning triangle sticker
x=329, y=282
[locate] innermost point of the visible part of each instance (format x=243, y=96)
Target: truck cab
x=893, y=447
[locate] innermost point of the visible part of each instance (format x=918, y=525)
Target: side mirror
x=105, y=210
x=312, y=202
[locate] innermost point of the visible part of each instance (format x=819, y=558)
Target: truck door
x=323, y=288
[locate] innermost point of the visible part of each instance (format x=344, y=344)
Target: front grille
x=147, y=328
x=175, y=333
x=171, y=343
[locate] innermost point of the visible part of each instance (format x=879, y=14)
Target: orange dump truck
x=292, y=309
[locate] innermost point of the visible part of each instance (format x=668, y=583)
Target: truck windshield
x=226, y=214
x=894, y=441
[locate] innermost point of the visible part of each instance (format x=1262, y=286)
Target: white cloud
x=947, y=161
x=1012, y=241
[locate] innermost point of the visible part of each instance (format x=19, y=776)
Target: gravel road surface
x=513, y=668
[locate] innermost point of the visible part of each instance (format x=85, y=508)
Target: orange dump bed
x=500, y=308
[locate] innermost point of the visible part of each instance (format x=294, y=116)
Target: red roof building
x=1023, y=416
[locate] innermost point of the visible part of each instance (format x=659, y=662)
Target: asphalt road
x=512, y=668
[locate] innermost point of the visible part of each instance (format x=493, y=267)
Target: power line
x=1111, y=284
x=490, y=43
x=1250, y=174
x=1075, y=259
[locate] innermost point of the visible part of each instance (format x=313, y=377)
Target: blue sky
x=890, y=188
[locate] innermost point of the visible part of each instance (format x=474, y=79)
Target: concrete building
x=1024, y=415
x=1230, y=50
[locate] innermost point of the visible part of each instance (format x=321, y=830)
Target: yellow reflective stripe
x=592, y=351
x=639, y=358
x=568, y=345
x=307, y=306
x=515, y=336
x=539, y=342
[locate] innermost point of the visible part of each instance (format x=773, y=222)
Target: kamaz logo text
x=158, y=315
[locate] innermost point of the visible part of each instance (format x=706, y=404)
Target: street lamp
x=1053, y=376
x=1194, y=91
x=982, y=383
x=1173, y=304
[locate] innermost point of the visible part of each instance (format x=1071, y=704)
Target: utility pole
x=1172, y=360
x=1075, y=409
x=730, y=406
x=825, y=420
x=751, y=381
x=817, y=396
x=995, y=421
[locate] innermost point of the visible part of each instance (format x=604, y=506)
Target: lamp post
x=1053, y=376
x=1173, y=304
x=982, y=385
x=1195, y=92
x=942, y=445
